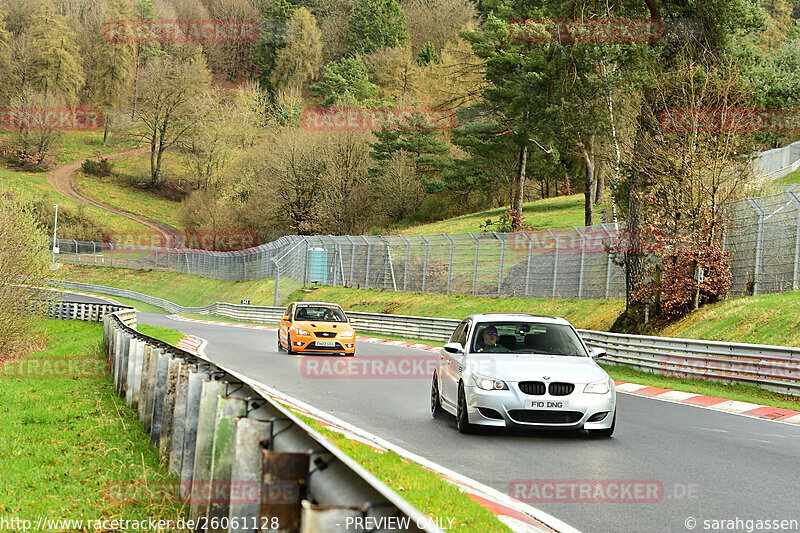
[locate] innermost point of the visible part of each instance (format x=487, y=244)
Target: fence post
x=583, y=263
x=366, y=270
x=111, y=263
x=759, y=247
x=608, y=259
x=277, y=277
x=796, y=277
x=352, y=258
x=305, y=263
x=390, y=265
x=530, y=260
x=450, y=264
x=425, y=264
x=405, y=268
x=502, y=257
x=94, y=251
x=128, y=256
x=555, y=263
x=475, y=264
x=76, y=250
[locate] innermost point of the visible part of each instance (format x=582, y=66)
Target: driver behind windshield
x=487, y=342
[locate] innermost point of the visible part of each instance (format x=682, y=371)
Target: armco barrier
x=217, y=431
x=770, y=367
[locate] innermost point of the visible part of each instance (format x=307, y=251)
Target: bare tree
x=167, y=93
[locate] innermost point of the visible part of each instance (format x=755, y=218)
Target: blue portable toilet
x=318, y=265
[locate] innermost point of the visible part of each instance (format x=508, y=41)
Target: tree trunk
x=589, y=191
x=634, y=258
x=105, y=132
x=600, y=185
x=516, y=222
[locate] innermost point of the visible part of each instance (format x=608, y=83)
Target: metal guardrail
x=66, y=310
x=242, y=458
x=770, y=367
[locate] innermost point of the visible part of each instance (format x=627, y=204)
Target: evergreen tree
x=376, y=24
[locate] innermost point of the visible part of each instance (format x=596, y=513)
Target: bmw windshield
x=527, y=338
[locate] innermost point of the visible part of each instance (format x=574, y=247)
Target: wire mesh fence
x=763, y=238
x=762, y=235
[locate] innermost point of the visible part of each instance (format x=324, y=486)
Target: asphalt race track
x=711, y=465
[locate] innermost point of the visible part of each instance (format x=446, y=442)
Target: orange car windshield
x=320, y=314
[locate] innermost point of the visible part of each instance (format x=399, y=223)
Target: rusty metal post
x=246, y=473
x=206, y=419
x=168, y=410
x=228, y=410
x=283, y=488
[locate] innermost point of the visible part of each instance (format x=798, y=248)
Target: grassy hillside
x=767, y=319
x=70, y=442
x=794, y=177
x=592, y=314
x=183, y=289
x=550, y=213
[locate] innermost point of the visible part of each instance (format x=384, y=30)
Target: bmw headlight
x=348, y=334
x=487, y=383
x=302, y=332
x=598, y=387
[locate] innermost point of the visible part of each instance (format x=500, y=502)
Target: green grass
x=766, y=319
x=69, y=440
x=82, y=144
x=182, y=289
x=167, y=335
x=738, y=392
x=423, y=489
x=34, y=186
x=116, y=192
x=550, y=213
x=789, y=179
x=584, y=314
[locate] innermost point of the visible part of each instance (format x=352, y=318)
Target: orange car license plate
x=326, y=344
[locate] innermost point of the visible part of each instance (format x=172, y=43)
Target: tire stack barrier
x=244, y=461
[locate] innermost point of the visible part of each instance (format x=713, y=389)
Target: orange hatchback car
x=316, y=327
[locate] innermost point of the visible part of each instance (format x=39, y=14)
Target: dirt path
x=62, y=180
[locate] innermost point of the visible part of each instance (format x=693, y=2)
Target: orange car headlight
x=302, y=332
x=348, y=334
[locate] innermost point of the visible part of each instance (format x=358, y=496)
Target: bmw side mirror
x=597, y=353
x=454, y=347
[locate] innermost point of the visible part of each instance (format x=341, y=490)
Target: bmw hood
x=513, y=368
